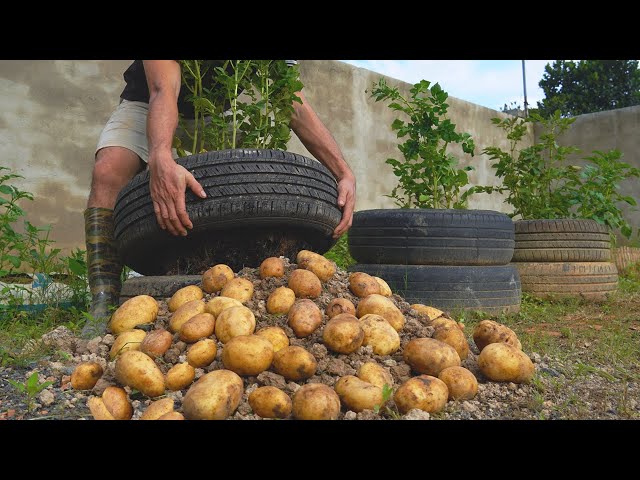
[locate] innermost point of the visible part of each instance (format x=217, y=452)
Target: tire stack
x=448, y=259
x=565, y=258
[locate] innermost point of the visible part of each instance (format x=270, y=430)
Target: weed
x=30, y=388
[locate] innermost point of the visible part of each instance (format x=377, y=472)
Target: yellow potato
x=385, y=290
x=172, y=416
x=358, y=395
x=139, y=310
x=185, y=313
x=294, y=363
x=305, y=284
x=214, y=279
x=452, y=335
x=116, y=401
x=338, y=306
x=156, y=343
x=379, y=305
x=198, y=327
x=488, y=331
x=157, y=409
x=430, y=312
x=276, y=336
x=234, y=321
x=280, y=300
x=270, y=402
x=215, y=396
x=444, y=322
x=379, y=333
x=184, y=295
x=86, y=375
x=430, y=356
x=461, y=383
x=202, y=353
x=180, y=376
x=322, y=267
x=239, y=288
x=304, y=317
x=272, y=267
x=98, y=409
x=502, y=362
x=216, y=305
x=423, y=392
x=247, y=354
x=375, y=374
x=362, y=284
x=137, y=370
x=343, y=334
x=304, y=256
x=315, y=401
x=129, y=340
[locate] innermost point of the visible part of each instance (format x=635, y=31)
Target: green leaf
x=6, y=189
x=18, y=386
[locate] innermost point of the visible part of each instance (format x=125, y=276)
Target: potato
x=172, y=416
x=452, y=335
x=139, y=310
x=358, y=395
x=276, y=336
x=430, y=356
x=180, y=376
x=98, y=409
x=198, y=327
x=239, y=288
x=86, y=375
x=385, y=290
x=185, y=313
x=116, y=401
x=202, y=353
x=304, y=317
x=379, y=305
x=423, y=392
x=305, y=284
x=488, y=331
x=129, y=340
x=430, y=312
x=294, y=363
x=184, y=295
x=214, y=279
x=362, y=284
x=280, y=300
x=343, y=334
x=305, y=256
x=137, y=370
x=216, y=305
x=234, y=321
x=272, y=267
x=375, y=374
x=502, y=362
x=461, y=383
x=379, y=334
x=270, y=402
x=247, y=354
x=315, y=401
x=322, y=267
x=215, y=396
x=156, y=343
x=157, y=409
x=444, y=322
x=338, y=306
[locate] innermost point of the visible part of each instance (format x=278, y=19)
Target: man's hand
x=168, y=183
x=347, y=202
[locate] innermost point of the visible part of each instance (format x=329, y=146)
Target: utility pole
x=524, y=83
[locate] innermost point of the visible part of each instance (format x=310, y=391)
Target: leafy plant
x=30, y=388
x=11, y=242
x=340, y=254
x=429, y=176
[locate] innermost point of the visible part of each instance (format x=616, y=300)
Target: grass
x=339, y=253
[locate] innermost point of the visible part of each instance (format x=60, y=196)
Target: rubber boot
x=104, y=267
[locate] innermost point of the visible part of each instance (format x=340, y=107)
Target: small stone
x=512, y=386
x=272, y=379
x=368, y=415
x=535, y=357
x=108, y=339
x=416, y=414
x=199, y=373
x=350, y=415
x=46, y=397
x=469, y=407
x=93, y=345
x=181, y=346
x=390, y=363
x=293, y=387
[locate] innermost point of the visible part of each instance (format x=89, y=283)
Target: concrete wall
x=52, y=112
x=619, y=129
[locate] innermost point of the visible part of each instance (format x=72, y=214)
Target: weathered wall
x=52, y=111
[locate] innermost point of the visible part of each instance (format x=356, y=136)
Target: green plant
x=387, y=391
x=340, y=254
x=12, y=243
x=30, y=388
x=429, y=176
x=223, y=120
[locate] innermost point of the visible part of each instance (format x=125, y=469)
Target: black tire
x=492, y=289
x=561, y=240
x=260, y=203
x=156, y=286
x=432, y=237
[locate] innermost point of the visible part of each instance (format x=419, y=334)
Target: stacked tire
x=565, y=258
x=448, y=259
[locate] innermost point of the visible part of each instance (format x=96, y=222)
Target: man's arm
x=318, y=140
x=168, y=180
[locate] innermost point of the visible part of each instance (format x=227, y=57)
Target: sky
x=491, y=83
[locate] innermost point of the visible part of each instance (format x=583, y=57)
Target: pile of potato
x=214, y=316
